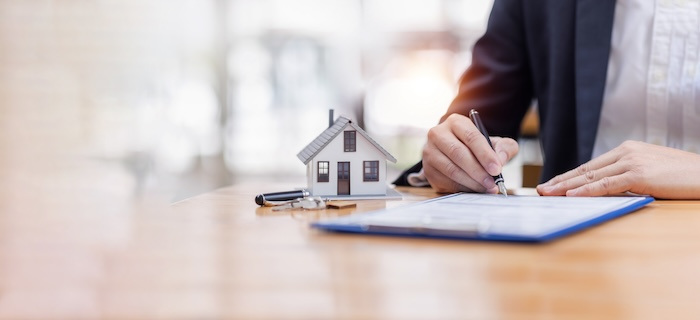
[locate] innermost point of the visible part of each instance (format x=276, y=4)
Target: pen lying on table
x=280, y=196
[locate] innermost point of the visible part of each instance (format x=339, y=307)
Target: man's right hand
x=457, y=157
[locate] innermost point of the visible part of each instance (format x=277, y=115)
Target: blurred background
x=185, y=96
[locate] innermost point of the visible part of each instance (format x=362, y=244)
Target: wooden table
x=219, y=256
x=241, y=261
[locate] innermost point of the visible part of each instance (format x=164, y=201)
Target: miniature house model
x=344, y=161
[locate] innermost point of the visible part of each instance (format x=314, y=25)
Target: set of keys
x=306, y=203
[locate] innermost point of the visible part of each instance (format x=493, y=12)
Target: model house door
x=343, y=178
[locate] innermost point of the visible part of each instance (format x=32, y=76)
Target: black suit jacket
x=552, y=51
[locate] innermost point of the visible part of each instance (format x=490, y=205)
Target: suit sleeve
x=498, y=83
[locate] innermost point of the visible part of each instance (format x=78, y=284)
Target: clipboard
x=489, y=217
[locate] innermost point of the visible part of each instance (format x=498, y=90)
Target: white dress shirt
x=652, y=91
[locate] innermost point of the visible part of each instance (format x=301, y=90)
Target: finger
x=605, y=186
x=588, y=177
x=468, y=133
x=438, y=181
x=506, y=148
x=442, y=183
x=451, y=170
x=457, y=154
x=601, y=161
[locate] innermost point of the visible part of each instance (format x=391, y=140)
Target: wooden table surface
x=236, y=260
x=219, y=256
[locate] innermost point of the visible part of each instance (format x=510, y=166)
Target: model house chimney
x=330, y=118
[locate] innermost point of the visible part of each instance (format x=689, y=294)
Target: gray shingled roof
x=313, y=148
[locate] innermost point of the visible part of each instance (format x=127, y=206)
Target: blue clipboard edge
x=400, y=231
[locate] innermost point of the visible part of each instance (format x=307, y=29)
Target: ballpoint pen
x=474, y=115
x=280, y=196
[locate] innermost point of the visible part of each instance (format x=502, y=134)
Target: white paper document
x=490, y=216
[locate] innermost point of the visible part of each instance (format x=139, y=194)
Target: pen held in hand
x=474, y=115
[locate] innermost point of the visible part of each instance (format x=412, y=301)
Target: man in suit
x=602, y=72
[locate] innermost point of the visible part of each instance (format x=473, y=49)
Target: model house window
x=323, y=171
x=371, y=170
x=350, y=141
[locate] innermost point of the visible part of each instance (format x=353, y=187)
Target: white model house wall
x=334, y=153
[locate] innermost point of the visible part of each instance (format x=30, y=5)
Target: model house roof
x=327, y=136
